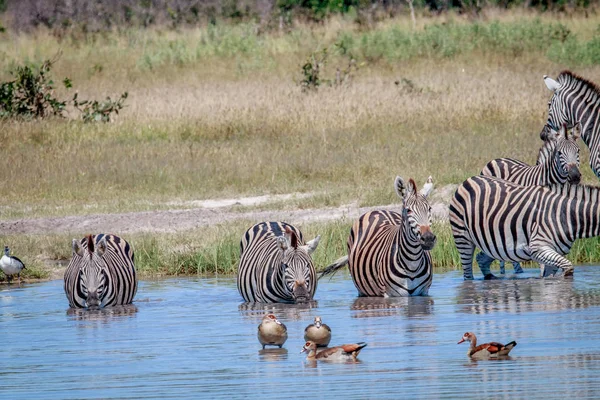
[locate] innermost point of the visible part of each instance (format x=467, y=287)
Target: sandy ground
x=204, y=213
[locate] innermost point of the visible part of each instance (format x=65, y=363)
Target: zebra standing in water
x=275, y=264
x=388, y=252
x=513, y=222
x=101, y=272
x=558, y=163
x=575, y=100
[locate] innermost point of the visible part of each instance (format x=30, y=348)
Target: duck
x=318, y=332
x=345, y=352
x=11, y=265
x=271, y=332
x=486, y=350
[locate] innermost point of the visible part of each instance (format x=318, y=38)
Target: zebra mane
x=90, y=243
x=545, y=151
x=567, y=77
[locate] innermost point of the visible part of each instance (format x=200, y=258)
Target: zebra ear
x=427, y=187
x=311, y=246
x=563, y=132
x=400, y=187
x=77, y=248
x=576, y=132
x=291, y=237
x=282, y=243
x=101, y=246
x=551, y=83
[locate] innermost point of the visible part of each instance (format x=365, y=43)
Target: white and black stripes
x=275, y=264
x=388, y=252
x=558, y=163
x=516, y=223
x=101, y=272
x=576, y=100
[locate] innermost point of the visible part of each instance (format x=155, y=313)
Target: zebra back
x=101, y=272
x=575, y=100
x=388, y=252
x=276, y=265
x=557, y=163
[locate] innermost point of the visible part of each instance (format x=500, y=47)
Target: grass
x=217, y=112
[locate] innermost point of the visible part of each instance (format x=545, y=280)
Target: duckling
x=11, y=265
x=318, y=332
x=345, y=352
x=271, y=331
x=486, y=350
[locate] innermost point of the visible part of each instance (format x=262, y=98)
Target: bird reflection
x=284, y=311
x=273, y=354
x=102, y=314
x=385, y=306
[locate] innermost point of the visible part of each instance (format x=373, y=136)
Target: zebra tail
x=333, y=268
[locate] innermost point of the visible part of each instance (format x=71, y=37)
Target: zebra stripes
x=275, y=264
x=518, y=223
x=388, y=252
x=101, y=272
x=576, y=100
x=558, y=163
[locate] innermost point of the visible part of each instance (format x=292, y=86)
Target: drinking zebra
x=575, y=100
x=558, y=163
x=101, y=272
x=388, y=252
x=275, y=264
x=519, y=223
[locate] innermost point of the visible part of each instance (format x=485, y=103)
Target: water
x=190, y=338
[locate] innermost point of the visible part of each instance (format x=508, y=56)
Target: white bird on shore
x=11, y=265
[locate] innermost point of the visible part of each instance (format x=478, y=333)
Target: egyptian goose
x=345, y=352
x=487, y=350
x=271, y=332
x=11, y=265
x=318, y=332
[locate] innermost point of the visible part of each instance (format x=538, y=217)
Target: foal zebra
x=388, y=252
x=276, y=265
x=101, y=272
x=558, y=163
x=575, y=100
x=519, y=223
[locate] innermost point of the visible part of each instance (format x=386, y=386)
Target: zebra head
x=416, y=211
x=299, y=271
x=558, y=113
x=93, y=277
x=566, y=153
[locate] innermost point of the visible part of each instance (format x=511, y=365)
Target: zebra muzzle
x=574, y=176
x=428, y=239
x=300, y=293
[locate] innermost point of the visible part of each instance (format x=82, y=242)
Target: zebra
x=558, y=163
x=575, y=100
x=519, y=223
x=275, y=264
x=101, y=272
x=388, y=252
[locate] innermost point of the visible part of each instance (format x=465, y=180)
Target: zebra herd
x=511, y=212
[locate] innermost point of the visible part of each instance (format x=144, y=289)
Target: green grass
x=215, y=250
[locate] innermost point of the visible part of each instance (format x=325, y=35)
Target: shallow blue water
x=190, y=338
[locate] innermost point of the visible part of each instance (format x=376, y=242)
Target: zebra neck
x=409, y=246
x=588, y=113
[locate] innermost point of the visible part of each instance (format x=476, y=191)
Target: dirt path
x=203, y=213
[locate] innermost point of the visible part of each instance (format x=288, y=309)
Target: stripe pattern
x=558, y=163
x=518, y=223
x=275, y=264
x=388, y=252
x=101, y=272
x=575, y=100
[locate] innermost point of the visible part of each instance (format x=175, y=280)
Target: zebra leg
x=551, y=260
x=517, y=267
x=546, y=271
x=484, y=261
x=502, y=268
x=465, y=250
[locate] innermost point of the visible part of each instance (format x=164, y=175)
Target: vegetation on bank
x=216, y=251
